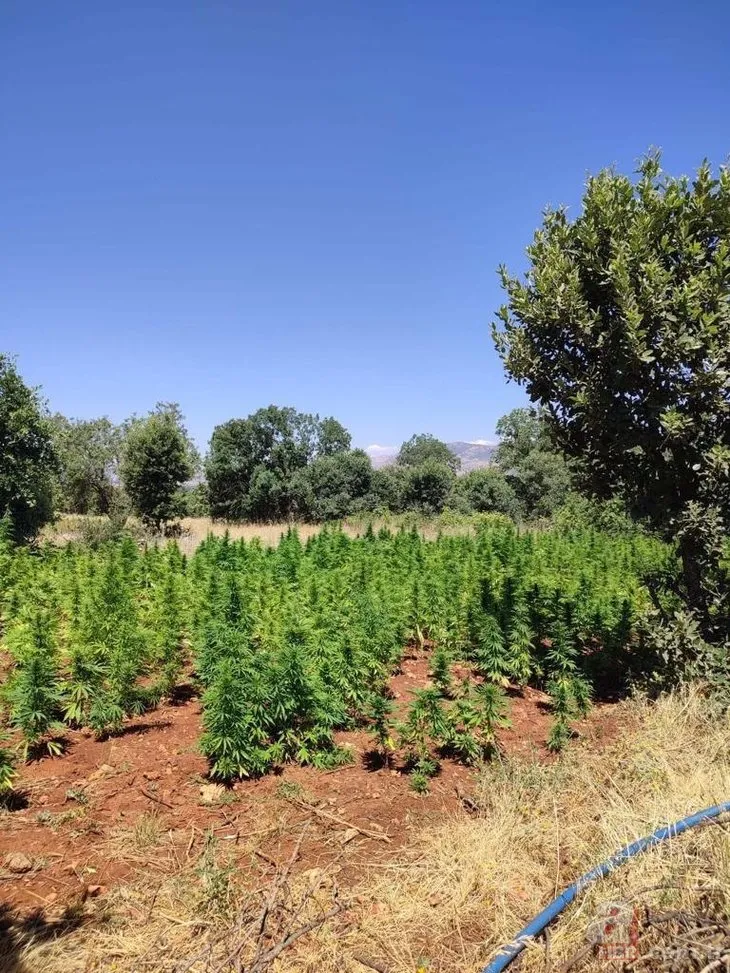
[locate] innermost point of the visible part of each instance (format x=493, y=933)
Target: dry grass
x=195, y=529
x=459, y=890
x=464, y=888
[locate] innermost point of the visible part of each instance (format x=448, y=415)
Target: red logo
x=615, y=931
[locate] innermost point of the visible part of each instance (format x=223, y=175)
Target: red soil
x=76, y=802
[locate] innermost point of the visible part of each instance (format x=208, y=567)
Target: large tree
x=527, y=457
x=88, y=453
x=27, y=457
x=427, y=486
x=251, y=462
x=485, y=490
x=621, y=331
x=332, y=486
x=422, y=448
x=157, y=458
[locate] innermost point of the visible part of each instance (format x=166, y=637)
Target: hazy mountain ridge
x=473, y=454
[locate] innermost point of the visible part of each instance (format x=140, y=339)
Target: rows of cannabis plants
x=287, y=645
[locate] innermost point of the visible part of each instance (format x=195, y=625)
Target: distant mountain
x=472, y=454
x=381, y=455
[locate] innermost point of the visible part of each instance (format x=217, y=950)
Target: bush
x=484, y=490
x=331, y=486
x=194, y=502
x=427, y=487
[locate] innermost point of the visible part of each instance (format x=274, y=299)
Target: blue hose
x=508, y=952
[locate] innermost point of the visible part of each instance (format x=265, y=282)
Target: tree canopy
x=89, y=454
x=27, y=457
x=252, y=461
x=422, y=448
x=427, y=486
x=621, y=331
x=536, y=472
x=157, y=458
x=485, y=490
x=332, y=485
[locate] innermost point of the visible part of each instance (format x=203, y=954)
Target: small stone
x=18, y=863
x=211, y=793
x=348, y=835
x=94, y=890
x=43, y=799
x=102, y=771
x=151, y=775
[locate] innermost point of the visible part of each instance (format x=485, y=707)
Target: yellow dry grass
x=193, y=530
x=460, y=889
x=464, y=888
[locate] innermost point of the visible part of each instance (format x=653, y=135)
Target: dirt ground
x=85, y=821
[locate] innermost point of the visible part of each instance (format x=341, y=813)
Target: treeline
x=280, y=464
x=275, y=465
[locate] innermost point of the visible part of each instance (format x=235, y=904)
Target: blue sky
x=229, y=204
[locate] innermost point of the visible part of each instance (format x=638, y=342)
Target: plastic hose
x=509, y=951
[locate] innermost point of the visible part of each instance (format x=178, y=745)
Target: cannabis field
x=287, y=646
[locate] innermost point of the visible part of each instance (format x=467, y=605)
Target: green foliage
x=387, y=491
x=27, y=457
x=475, y=719
x=426, y=487
x=110, y=656
x=580, y=512
x=621, y=331
x=426, y=725
x=441, y=670
x=379, y=713
x=291, y=645
x=88, y=453
x=484, y=490
x=490, y=650
x=252, y=462
x=533, y=468
x=332, y=437
x=235, y=727
x=34, y=693
x=332, y=485
x=7, y=770
x=425, y=448
x=194, y=501
x=157, y=458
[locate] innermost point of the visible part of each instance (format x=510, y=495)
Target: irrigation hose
x=509, y=951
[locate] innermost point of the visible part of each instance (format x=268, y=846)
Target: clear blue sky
x=229, y=204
